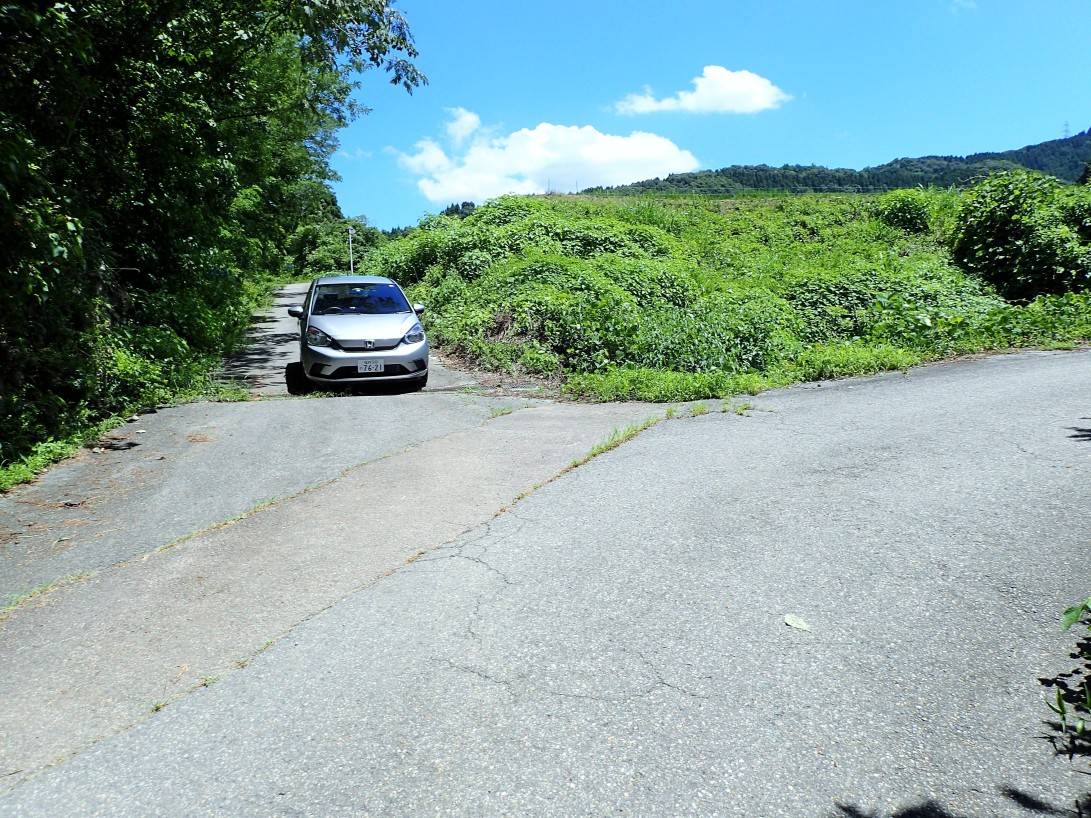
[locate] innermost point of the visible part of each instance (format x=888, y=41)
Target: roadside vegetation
x=163, y=165
x=673, y=299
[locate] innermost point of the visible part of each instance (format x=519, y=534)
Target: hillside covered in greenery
x=676, y=298
x=1065, y=159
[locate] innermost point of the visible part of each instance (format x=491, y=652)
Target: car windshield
x=362, y=299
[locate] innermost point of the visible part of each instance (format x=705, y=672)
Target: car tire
x=420, y=383
x=295, y=380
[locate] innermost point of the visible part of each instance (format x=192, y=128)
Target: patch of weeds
x=737, y=408
x=45, y=454
x=1071, y=699
x=18, y=600
x=820, y=363
x=158, y=706
x=227, y=391
x=698, y=409
x=207, y=681
x=615, y=439
x=670, y=413
x=500, y=411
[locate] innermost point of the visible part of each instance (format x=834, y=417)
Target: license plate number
x=369, y=366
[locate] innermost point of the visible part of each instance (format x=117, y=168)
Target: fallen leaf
x=793, y=621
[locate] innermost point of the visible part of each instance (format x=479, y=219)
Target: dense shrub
x=908, y=209
x=1026, y=234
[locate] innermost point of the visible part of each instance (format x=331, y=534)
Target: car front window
x=361, y=299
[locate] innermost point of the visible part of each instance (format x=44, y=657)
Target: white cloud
x=463, y=124
x=716, y=91
x=536, y=160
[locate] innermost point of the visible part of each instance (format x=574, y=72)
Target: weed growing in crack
x=38, y=592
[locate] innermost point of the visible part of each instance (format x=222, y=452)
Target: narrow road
x=463, y=626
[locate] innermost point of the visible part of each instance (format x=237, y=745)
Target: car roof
x=353, y=280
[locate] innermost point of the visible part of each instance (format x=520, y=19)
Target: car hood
x=349, y=327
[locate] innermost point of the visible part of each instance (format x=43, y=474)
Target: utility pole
x=352, y=268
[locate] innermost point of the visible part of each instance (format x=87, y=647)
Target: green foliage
x=674, y=300
x=322, y=248
x=907, y=209
x=1025, y=234
x=659, y=386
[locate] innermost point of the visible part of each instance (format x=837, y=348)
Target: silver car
x=358, y=329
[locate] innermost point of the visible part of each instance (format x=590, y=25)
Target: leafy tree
x=323, y=249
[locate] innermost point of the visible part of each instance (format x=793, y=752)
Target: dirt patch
x=491, y=382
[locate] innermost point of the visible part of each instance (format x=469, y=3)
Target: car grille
x=380, y=346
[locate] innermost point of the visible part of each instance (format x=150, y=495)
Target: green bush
x=1025, y=234
x=906, y=209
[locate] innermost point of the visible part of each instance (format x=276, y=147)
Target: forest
x=1065, y=159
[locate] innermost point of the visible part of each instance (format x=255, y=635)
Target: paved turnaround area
x=404, y=639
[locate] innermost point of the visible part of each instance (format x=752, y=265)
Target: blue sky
x=561, y=95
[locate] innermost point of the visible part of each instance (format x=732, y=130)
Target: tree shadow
x=262, y=351
x=1081, y=433
x=933, y=809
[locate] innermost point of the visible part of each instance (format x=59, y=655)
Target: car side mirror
x=418, y=309
x=296, y=310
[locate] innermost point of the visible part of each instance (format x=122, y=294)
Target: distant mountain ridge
x=1063, y=158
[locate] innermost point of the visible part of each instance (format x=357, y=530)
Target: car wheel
x=421, y=382
x=295, y=380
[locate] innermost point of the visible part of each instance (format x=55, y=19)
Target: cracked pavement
x=614, y=642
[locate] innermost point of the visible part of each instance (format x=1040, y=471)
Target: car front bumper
x=327, y=365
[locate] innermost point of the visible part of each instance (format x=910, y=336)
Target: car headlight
x=317, y=338
x=415, y=335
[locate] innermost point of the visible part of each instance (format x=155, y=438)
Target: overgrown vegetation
x=682, y=299
x=161, y=162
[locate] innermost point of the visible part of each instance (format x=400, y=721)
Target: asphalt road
x=608, y=642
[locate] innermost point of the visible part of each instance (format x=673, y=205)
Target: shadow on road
x=933, y=809
x=262, y=350
x=297, y=384
x=1081, y=434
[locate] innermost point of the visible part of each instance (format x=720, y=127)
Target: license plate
x=372, y=365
